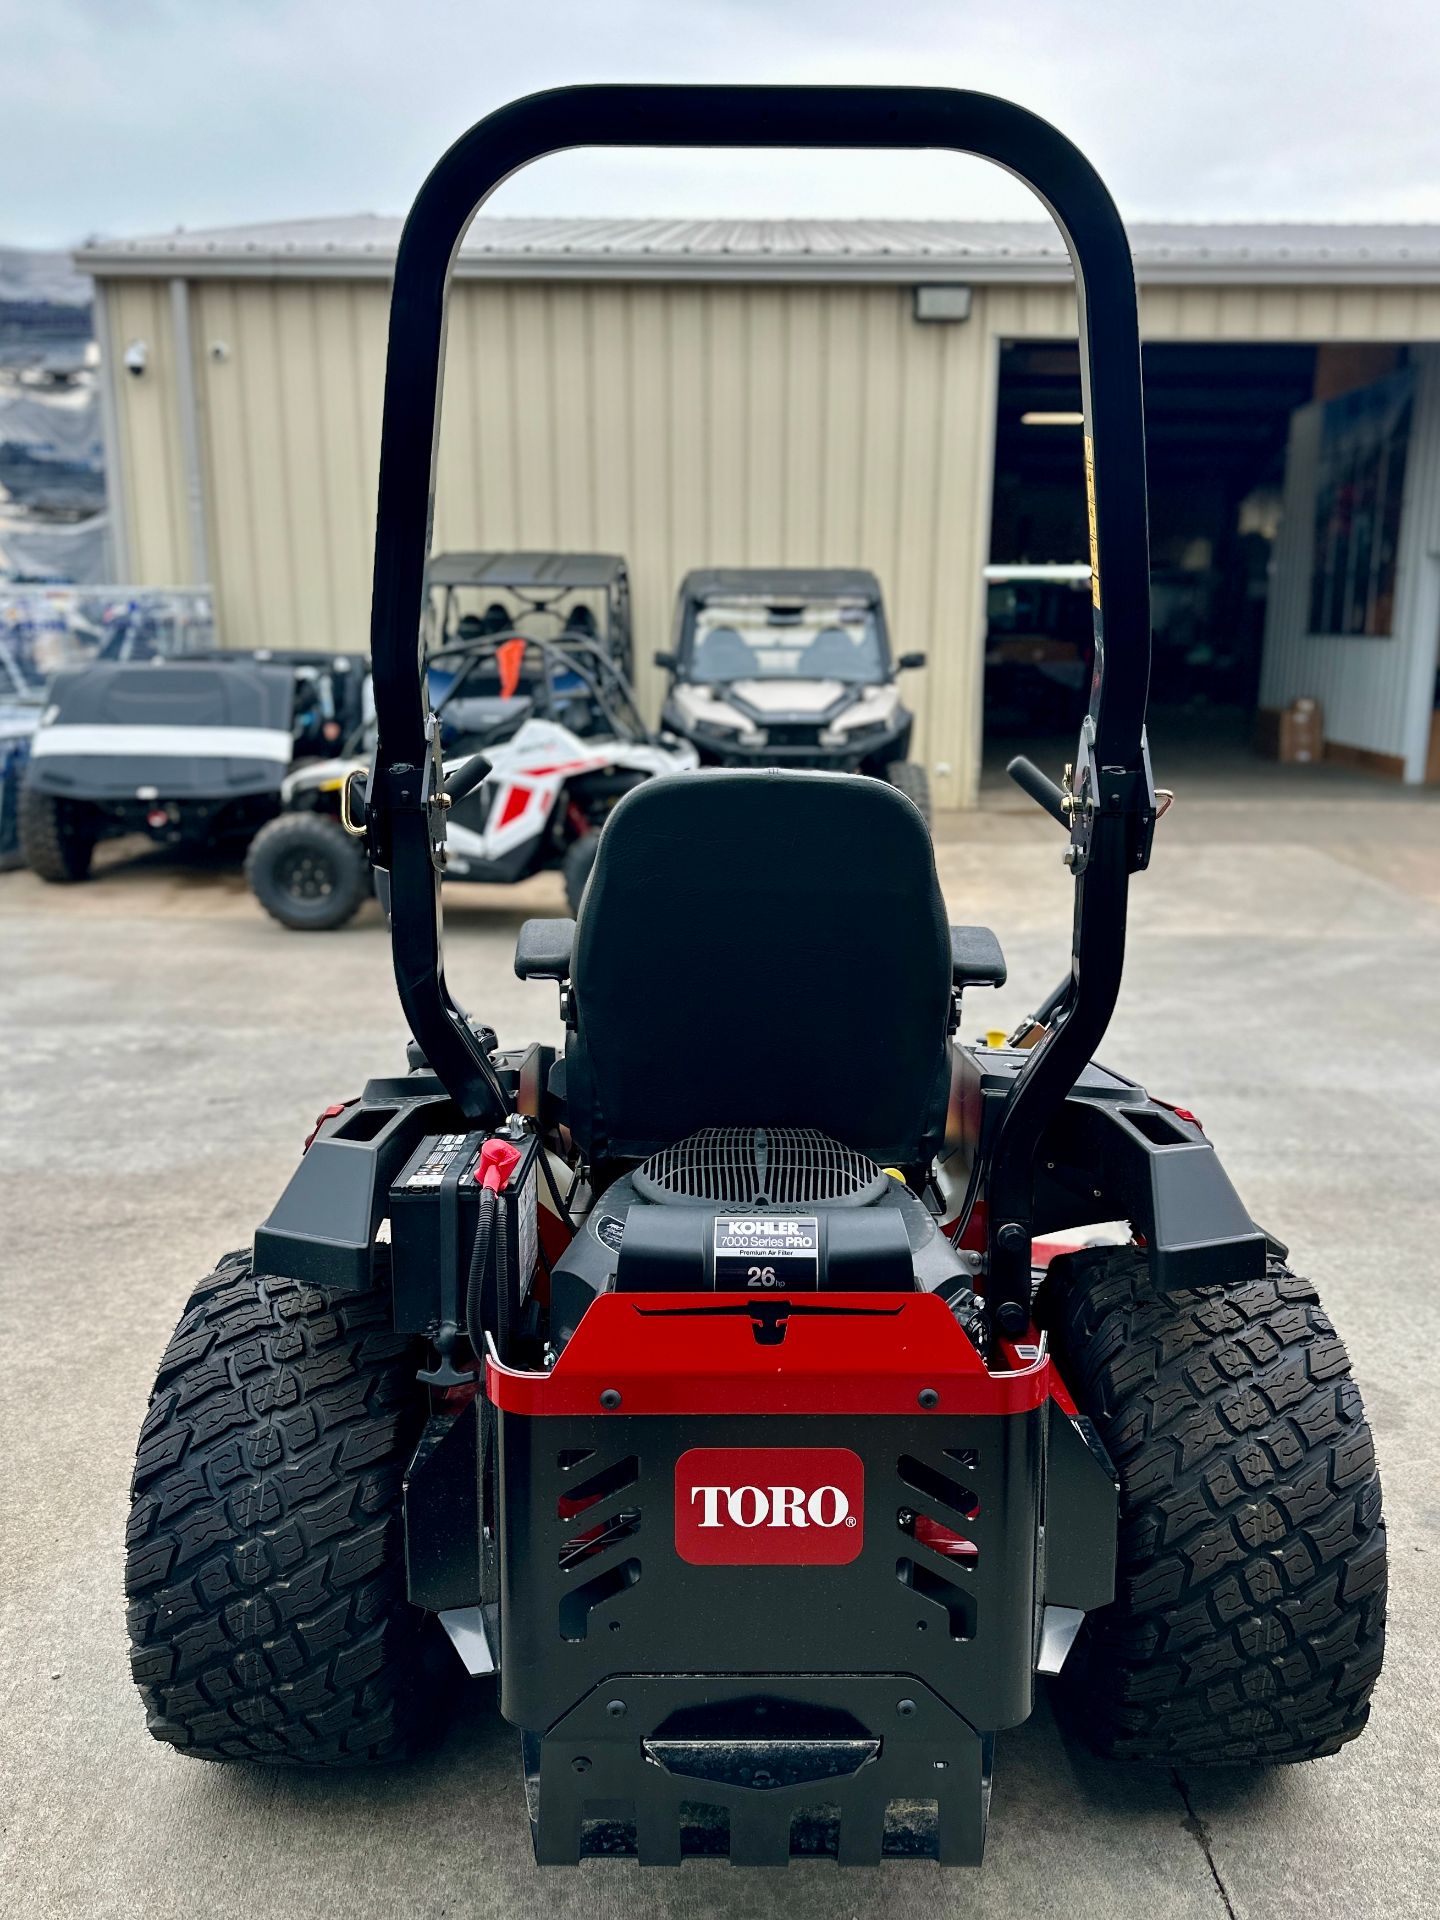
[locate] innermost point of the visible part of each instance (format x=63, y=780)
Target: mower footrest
x=666, y=1767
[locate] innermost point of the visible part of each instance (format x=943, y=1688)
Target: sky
x=146, y=115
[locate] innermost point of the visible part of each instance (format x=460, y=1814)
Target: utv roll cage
x=785, y=585
x=542, y=583
x=543, y=670
x=1107, y=806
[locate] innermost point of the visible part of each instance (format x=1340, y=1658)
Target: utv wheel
x=579, y=859
x=307, y=872
x=266, y=1570
x=913, y=780
x=1249, y=1619
x=57, y=836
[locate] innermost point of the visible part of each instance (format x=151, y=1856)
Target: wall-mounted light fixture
x=942, y=303
x=1052, y=419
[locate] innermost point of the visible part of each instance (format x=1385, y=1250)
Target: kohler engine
x=755, y=1210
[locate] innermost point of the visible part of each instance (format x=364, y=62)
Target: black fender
x=322, y=1230
x=1112, y=1153
x=1159, y=1172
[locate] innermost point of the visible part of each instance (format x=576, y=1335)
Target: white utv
x=791, y=667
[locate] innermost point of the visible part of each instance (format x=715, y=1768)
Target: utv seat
x=722, y=655
x=760, y=948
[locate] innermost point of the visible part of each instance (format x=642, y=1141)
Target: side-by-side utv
x=544, y=596
x=559, y=726
x=715, y=1381
x=191, y=752
x=791, y=667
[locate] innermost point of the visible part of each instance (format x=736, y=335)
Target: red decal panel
x=769, y=1506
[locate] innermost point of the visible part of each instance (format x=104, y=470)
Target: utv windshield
x=745, y=638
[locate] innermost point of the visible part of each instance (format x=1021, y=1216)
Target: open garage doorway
x=1216, y=424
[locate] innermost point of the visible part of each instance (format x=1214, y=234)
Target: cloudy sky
x=131, y=116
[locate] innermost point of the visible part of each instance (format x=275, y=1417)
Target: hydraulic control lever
x=466, y=777
x=1041, y=789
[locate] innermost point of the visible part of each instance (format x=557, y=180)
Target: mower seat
x=761, y=948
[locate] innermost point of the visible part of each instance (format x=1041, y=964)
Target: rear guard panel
x=646, y=1685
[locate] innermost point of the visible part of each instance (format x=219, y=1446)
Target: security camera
x=137, y=357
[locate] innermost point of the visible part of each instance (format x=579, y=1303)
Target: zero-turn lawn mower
x=707, y=1381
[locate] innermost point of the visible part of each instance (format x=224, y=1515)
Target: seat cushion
x=761, y=948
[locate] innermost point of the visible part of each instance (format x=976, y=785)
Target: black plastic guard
x=1082, y=1515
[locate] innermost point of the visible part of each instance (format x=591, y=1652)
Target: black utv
x=716, y=1383
x=791, y=667
x=191, y=752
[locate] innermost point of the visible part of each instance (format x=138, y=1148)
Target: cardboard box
x=1302, y=732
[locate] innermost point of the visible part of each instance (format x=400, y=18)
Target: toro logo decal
x=769, y=1506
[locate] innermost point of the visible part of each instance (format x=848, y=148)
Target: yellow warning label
x=1090, y=510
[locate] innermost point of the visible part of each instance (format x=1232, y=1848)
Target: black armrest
x=975, y=957
x=543, y=949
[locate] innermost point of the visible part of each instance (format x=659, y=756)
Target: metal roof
x=800, y=583
x=363, y=246
x=523, y=569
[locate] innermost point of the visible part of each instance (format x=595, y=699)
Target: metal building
x=792, y=392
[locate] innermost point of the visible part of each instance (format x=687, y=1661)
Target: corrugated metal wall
x=152, y=467
x=680, y=425
x=1375, y=692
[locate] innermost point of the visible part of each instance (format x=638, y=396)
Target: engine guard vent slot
x=598, y=1538
x=761, y=1167
x=576, y=1607
x=938, y=1487
x=596, y=1486
x=940, y=1592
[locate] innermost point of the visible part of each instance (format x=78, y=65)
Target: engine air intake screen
x=760, y=1167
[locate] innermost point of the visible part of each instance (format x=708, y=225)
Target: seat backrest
x=722, y=655
x=761, y=948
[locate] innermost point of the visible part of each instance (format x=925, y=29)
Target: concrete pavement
x=164, y=1049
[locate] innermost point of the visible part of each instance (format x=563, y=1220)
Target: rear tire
x=576, y=866
x=913, y=781
x=1249, y=1618
x=57, y=836
x=266, y=1566
x=307, y=872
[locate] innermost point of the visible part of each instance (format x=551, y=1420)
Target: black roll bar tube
x=1112, y=816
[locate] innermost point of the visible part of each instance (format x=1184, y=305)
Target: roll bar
x=1112, y=810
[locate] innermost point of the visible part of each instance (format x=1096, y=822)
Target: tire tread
x=265, y=1577
x=1249, y=1619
